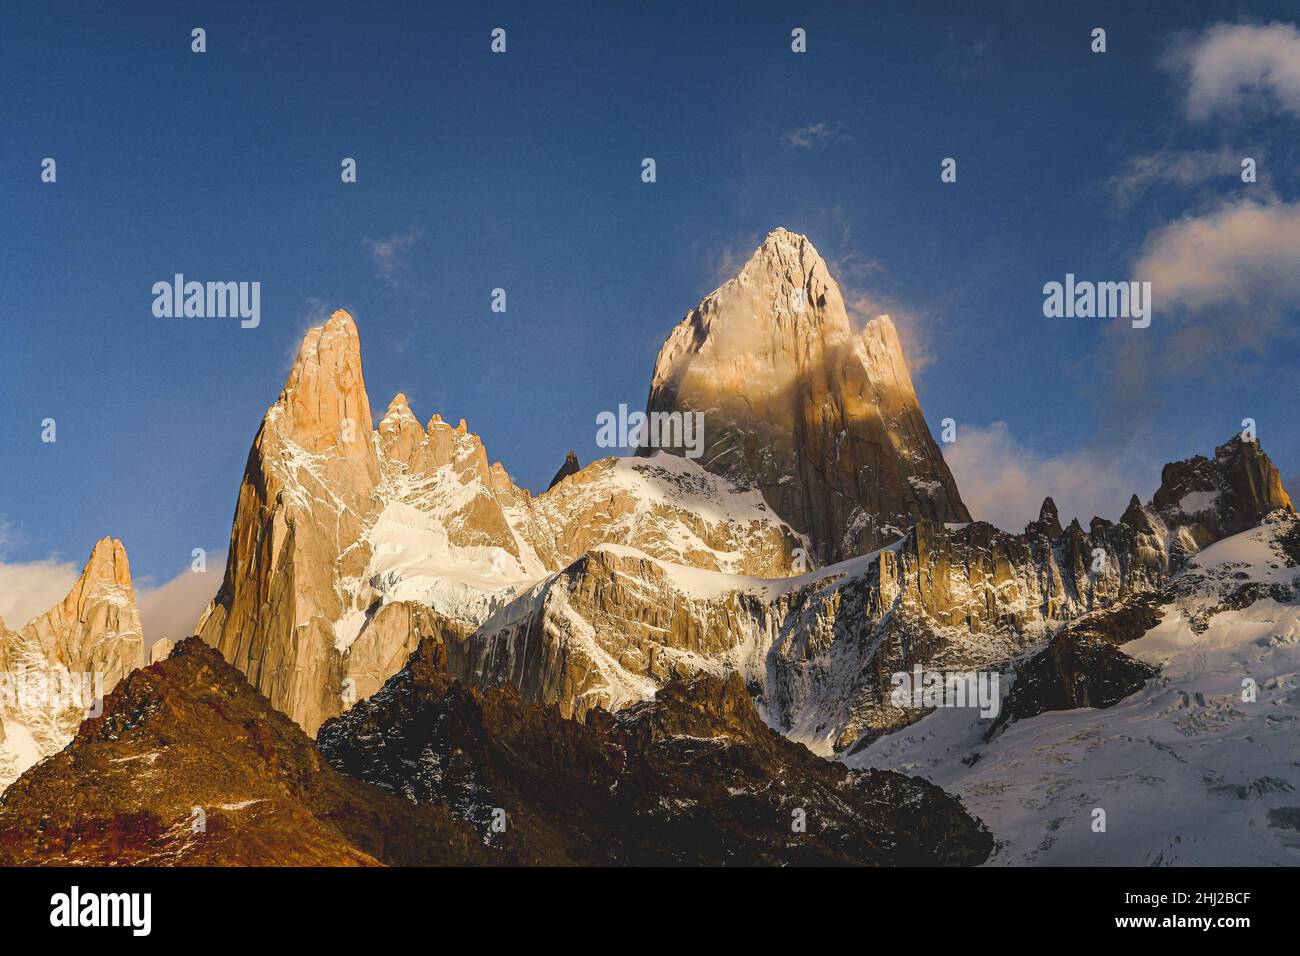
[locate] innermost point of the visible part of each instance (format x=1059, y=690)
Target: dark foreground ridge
x=691, y=777
x=188, y=765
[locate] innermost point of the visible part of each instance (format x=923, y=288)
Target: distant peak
x=1049, y=519
x=782, y=234
x=570, y=467
x=399, y=409
x=108, y=563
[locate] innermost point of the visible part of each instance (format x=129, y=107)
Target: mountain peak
x=822, y=418
x=108, y=564
x=95, y=629
x=324, y=402
x=570, y=467
x=399, y=412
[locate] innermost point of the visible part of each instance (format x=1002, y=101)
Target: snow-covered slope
x=1189, y=770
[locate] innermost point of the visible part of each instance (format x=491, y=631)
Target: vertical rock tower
x=819, y=416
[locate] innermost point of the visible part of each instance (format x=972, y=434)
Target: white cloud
x=1231, y=67
x=32, y=588
x=1004, y=483
x=818, y=134
x=172, y=609
x=1242, y=252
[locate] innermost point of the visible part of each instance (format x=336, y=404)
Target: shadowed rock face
x=692, y=777
x=1210, y=499
x=570, y=467
x=796, y=402
x=1082, y=666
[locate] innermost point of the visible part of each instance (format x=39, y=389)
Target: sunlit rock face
x=66, y=659
x=817, y=651
x=346, y=533
x=820, y=417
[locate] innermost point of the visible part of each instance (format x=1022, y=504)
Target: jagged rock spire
x=570, y=467
x=1049, y=519
x=94, y=635
x=822, y=418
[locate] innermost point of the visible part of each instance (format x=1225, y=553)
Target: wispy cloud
x=913, y=333
x=8, y=536
x=1225, y=290
x=1229, y=68
x=1186, y=169
x=390, y=255
x=33, y=587
x=967, y=56
x=815, y=136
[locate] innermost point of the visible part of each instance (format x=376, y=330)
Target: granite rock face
x=817, y=651
x=822, y=418
x=57, y=665
x=339, y=520
x=570, y=467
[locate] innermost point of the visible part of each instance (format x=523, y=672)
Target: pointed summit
x=570, y=467
x=95, y=630
x=324, y=402
x=1135, y=516
x=399, y=430
x=399, y=408
x=823, y=419
x=1049, y=520
x=108, y=565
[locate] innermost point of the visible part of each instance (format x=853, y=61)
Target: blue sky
x=521, y=171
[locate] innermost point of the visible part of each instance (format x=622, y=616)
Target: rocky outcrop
x=692, y=777
x=189, y=766
x=822, y=418
x=1207, y=500
x=338, y=521
x=570, y=467
x=1082, y=665
x=298, y=529
x=55, y=668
